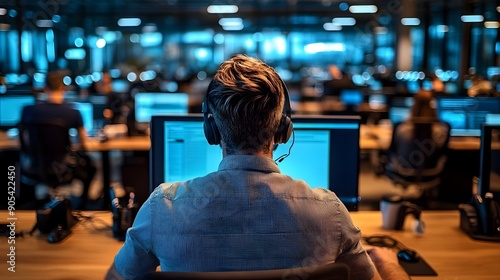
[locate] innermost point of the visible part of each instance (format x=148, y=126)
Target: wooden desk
x=88, y=252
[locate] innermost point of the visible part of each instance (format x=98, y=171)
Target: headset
x=281, y=136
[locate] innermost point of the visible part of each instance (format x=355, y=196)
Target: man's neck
x=247, y=152
x=56, y=97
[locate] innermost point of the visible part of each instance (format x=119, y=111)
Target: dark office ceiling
x=192, y=14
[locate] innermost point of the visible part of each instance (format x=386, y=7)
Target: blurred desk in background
x=372, y=137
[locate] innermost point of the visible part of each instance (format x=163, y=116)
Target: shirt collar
x=248, y=162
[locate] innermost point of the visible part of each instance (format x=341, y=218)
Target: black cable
x=383, y=241
x=92, y=220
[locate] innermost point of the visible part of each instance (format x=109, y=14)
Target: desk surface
x=371, y=138
x=88, y=252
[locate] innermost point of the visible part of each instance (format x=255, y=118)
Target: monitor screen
x=179, y=151
x=148, y=104
x=86, y=109
x=399, y=108
x=466, y=114
x=11, y=107
x=351, y=96
x=398, y=114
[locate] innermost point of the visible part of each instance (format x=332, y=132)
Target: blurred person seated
x=480, y=87
x=115, y=111
x=417, y=153
x=339, y=81
x=59, y=164
x=251, y=216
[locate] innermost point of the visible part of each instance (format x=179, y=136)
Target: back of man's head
x=246, y=98
x=54, y=81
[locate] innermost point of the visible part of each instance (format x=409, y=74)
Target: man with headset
x=247, y=215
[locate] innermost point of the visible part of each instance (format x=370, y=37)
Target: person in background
x=437, y=85
x=424, y=106
x=339, y=80
x=114, y=104
x=247, y=215
x=54, y=109
x=480, y=87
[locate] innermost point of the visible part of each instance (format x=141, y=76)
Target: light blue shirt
x=245, y=216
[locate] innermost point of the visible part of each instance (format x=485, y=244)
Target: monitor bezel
x=157, y=150
x=468, y=131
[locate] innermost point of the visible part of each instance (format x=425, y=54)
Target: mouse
x=408, y=255
x=58, y=234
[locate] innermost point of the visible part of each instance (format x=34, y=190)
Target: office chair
x=417, y=156
x=46, y=156
x=331, y=271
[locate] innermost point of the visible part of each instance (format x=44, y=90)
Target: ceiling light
x=344, y=21
x=230, y=21
x=472, y=18
x=330, y=26
x=3, y=11
x=324, y=47
x=491, y=24
x=129, y=22
x=233, y=27
x=222, y=9
x=100, y=43
x=363, y=9
x=442, y=28
x=44, y=23
x=410, y=21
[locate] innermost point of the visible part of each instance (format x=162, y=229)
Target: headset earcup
x=211, y=132
x=284, y=130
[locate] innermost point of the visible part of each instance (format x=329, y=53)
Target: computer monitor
x=398, y=114
x=489, y=173
x=325, y=152
x=86, y=109
x=148, y=104
x=399, y=109
x=11, y=107
x=466, y=114
x=351, y=96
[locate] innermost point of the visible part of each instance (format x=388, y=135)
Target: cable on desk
x=93, y=221
x=383, y=241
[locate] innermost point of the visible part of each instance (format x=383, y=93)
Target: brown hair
x=422, y=106
x=54, y=81
x=246, y=98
